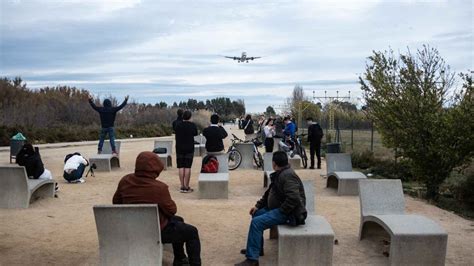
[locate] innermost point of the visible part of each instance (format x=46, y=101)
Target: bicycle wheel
x=304, y=158
x=258, y=159
x=234, y=159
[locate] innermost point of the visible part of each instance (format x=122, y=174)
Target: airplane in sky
x=243, y=58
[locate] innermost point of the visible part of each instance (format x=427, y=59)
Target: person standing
x=269, y=131
x=142, y=187
x=214, y=134
x=179, y=119
x=284, y=202
x=107, y=119
x=184, y=136
x=315, y=134
x=248, y=128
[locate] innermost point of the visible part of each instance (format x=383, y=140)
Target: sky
x=173, y=50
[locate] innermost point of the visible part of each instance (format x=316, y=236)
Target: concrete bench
x=414, y=239
x=340, y=175
x=215, y=185
x=199, y=149
x=308, y=244
x=246, y=150
x=106, y=161
x=129, y=234
x=295, y=161
x=17, y=190
x=267, y=168
x=165, y=157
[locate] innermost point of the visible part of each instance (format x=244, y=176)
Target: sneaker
x=56, y=187
x=80, y=180
x=182, y=190
x=311, y=167
x=99, y=151
x=244, y=251
x=181, y=262
x=114, y=154
x=189, y=190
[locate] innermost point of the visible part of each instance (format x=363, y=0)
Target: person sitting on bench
x=214, y=134
x=142, y=187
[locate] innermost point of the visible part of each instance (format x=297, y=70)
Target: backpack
x=210, y=164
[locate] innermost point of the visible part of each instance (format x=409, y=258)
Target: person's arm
x=310, y=133
x=262, y=203
x=223, y=133
x=84, y=161
x=118, y=108
x=195, y=130
x=165, y=203
x=291, y=189
x=91, y=102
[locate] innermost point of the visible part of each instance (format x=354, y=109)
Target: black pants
x=315, y=147
x=179, y=233
x=269, y=144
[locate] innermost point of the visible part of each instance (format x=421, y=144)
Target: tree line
x=62, y=113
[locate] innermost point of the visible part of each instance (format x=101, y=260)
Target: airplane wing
x=232, y=57
x=252, y=58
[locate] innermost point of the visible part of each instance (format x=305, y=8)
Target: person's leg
x=187, y=176
x=181, y=178
x=46, y=174
x=103, y=132
x=77, y=174
x=311, y=154
x=187, y=170
x=111, y=132
x=318, y=153
x=263, y=219
x=177, y=231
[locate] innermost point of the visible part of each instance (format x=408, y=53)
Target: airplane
x=243, y=58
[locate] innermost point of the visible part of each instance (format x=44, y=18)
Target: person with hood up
x=30, y=158
x=141, y=187
x=107, y=119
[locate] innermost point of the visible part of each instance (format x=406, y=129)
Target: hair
x=187, y=115
x=180, y=112
x=214, y=119
x=248, y=117
x=286, y=118
x=309, y=119
x=268, y=121
x=280, y=158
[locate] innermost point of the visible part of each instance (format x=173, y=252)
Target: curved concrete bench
x=414, y=239
x=346, y=183
x=165, y=157
x=106, y=161
x=129, y=234
x=17, y=191
x=246, y=150
x=341, y=176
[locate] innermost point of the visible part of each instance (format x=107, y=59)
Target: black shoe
x=311, y=167
x=248, y=262
x=181, y=262
x=319, y=167
x=244, y=251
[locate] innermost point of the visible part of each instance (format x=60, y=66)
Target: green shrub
x=363, y=160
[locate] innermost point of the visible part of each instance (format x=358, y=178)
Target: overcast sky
x=172, y=50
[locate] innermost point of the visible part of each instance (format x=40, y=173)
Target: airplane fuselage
x=243, y=58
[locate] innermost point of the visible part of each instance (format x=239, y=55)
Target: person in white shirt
x=269, y=130
x=74, y=167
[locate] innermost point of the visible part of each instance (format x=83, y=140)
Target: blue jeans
x=261, y=220
x=75, y=174
x=103, y=133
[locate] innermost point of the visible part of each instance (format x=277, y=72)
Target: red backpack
x=210, y=164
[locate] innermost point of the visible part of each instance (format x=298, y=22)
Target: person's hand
x=126, y=97
x=90, y=97
x=253, y=210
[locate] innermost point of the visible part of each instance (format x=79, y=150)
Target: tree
x=270, y=111
x=407, y=98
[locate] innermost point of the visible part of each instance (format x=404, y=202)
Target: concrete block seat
x=165, y=157
x=200, y=148
x=129, y=234
x=246, y=150
x=267, y=168
x=106, y=161
x=308, y=244
x=17, y=190
x=215, y=185
x=341, y=176
x=294, y=161
x=414, y=239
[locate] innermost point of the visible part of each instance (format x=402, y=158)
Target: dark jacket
x=248, y=127
x=142, y=187
x=315, y=133
x=107, y=112
x=214, y=136
x=176, y=122
x=286, y=192
x=184, y=136
x=31, y=160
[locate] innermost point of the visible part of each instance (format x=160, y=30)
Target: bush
x=363, y=160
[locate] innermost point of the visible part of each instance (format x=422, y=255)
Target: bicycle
x=235, y=158
x=298, y=149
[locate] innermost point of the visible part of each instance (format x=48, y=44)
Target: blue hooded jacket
x=107, y=112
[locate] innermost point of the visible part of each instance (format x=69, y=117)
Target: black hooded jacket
x=31, y=160
x=107, y=112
